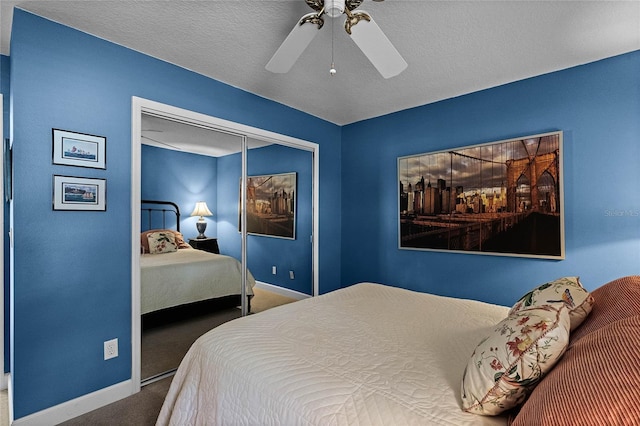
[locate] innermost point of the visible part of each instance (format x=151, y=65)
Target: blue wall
x=597, y=106
x=63, y=78
x=183, y=178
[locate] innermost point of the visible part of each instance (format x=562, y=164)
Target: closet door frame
x=140, y=106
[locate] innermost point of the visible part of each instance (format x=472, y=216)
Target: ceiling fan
x=359, y=25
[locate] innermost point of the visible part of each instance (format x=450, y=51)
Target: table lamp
x=201, y=210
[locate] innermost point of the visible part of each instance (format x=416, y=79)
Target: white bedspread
x=364, y=355
x=187, y=275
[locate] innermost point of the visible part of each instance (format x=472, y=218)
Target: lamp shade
x=201, y=209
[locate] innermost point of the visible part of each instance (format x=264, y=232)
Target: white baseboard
x=9, y=398
x=77, y=407
x=4, y=381
x=281, y=290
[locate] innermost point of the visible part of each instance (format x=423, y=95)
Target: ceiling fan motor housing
x=334, y=8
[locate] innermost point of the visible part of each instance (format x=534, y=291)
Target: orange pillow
x=614, y=301
x=595, y=383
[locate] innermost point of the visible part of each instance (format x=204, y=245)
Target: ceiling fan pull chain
x=332, y=70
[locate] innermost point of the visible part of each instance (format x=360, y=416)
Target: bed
x=366, y=354
x=181, y=275
x=372, y=354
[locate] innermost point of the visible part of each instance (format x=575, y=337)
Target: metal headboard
x=169, y=207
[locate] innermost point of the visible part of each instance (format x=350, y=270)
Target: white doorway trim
x=140, y=106
x=3, y=377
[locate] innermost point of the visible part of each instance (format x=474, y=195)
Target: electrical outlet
x=110, y=349
x=273, y=270
x=291, y=275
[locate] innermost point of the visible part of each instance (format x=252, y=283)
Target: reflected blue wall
x=264, y=252
x=183, y=178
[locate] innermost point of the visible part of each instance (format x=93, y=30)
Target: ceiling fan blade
x=377, y=47
x=295, y=43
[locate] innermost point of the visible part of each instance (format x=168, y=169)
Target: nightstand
x=206, y=244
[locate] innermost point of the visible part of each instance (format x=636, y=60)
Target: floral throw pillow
x=144, y=241
x=567, y=291
x=161, y=242
x=509, y=363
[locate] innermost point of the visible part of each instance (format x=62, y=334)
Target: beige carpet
x=164, y=345
x=263, y=300
x=4, y=408
x=142, y=408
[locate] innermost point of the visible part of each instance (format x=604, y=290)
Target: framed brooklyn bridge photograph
x=500, y=198
x=271, y=205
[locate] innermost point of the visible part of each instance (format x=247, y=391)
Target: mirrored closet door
x=202, y=236
x=190, y=265
x=280, y=217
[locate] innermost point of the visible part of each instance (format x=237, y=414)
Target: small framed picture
x=76, y=193
x=79, y=149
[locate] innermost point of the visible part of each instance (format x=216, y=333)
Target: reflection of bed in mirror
x=174, y=275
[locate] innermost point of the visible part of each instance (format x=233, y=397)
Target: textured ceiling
x=452, y=47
